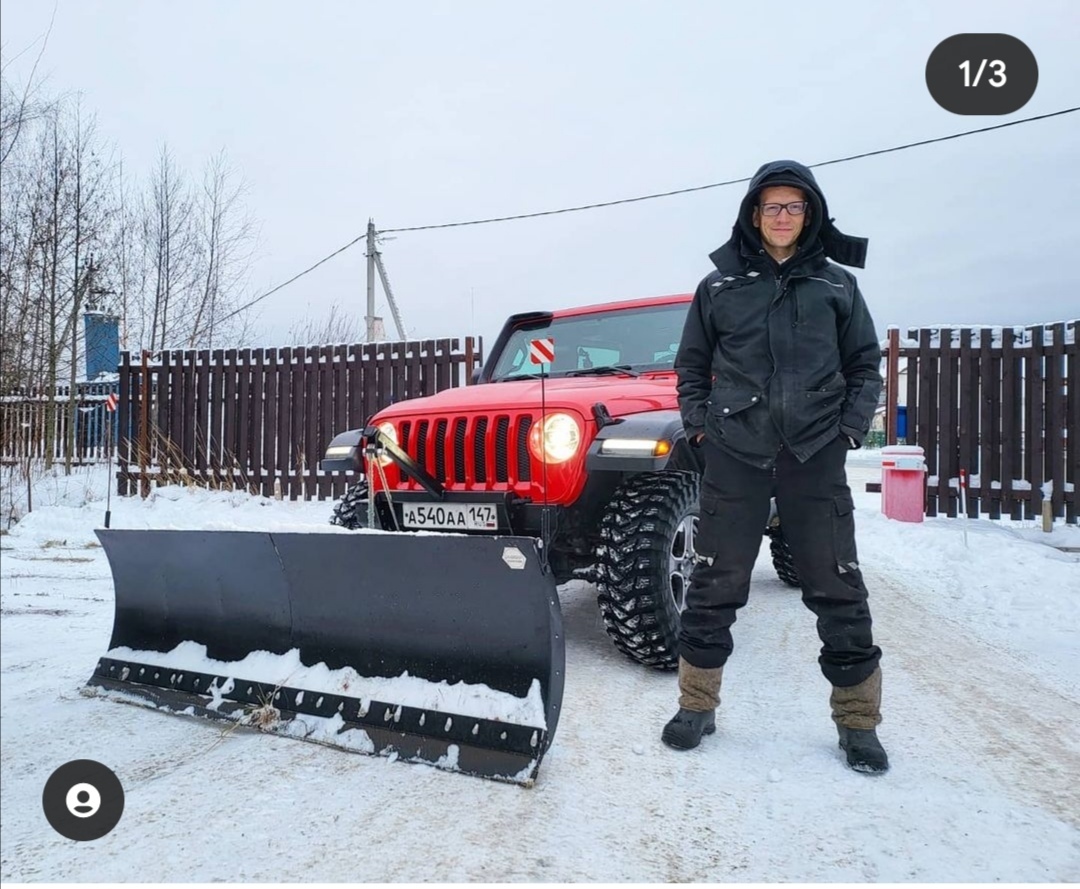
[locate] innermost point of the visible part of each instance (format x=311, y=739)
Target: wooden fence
x=254, y=419
x=26, y=421
x=1002, y=404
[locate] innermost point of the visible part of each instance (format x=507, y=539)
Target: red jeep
x=592, y=459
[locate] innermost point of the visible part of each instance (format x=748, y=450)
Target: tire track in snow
x=1021, y=731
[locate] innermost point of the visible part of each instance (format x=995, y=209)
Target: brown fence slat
x=258, y=419
x=190, y=418
x=1072, y=421
x=201, y=413
x=175, y=397
x=947, y=446
x=312, y=404
x=162, y=402
x=272, y=391
x=399, y=354
x=967, y=417
x=229, y=416
x=989, y=427
x=911, y=358
x=239, y=474
x=324, y=420
x=442, y=365
x=1055, y=418
x=385, y=371
x=339, y=482
x=296, y=420
x=355, y=383
x=216, y=413
x=928, y=401
x=1011, y=425
x=371, y=380
x=1033, y=422
x=284, y=440
x=427, y=368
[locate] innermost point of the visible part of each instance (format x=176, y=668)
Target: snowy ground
x=982, y=723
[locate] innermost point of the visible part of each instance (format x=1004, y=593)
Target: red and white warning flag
x=542, y=351
x=111, y=402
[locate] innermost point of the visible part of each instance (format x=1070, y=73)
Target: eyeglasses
x=794, y=208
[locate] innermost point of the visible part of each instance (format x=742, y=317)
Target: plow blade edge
x=444, y=649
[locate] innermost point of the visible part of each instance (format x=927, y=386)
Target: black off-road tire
x=781, y=558
x=351, y=511
x=643, y=526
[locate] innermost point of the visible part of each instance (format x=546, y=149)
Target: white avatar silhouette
x=83, y=800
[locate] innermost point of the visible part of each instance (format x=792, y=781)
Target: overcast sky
x=423, y=113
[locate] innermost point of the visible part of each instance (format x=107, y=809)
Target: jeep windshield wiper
x=603, y=369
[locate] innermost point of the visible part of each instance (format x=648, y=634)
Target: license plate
x=451, y=516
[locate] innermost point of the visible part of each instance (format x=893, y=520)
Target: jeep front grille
x=471, y=450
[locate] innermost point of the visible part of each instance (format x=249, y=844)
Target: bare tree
x=90, y=208
x=171, y=243
x=226, y=236
x=176, y=262
x=338, y=326
x=18, y=108
x=17, y=260
x=56, y=178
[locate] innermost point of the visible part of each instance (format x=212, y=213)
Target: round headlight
x=555, y=439
x=389, y=430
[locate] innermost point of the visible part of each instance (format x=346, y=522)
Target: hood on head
x=842, y=248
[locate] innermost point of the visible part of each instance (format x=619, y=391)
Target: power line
x=647, y=197
x=259, y=299
x=666, y=194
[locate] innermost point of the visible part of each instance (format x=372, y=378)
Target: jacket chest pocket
x=739, y=308
x=813, y=314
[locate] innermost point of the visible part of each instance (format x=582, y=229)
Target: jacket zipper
x=781, y=286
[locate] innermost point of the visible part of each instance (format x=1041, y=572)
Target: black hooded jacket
x=780, y=354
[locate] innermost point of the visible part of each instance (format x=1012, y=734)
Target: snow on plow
x=443, y=649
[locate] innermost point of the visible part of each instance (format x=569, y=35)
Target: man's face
x=782, y=231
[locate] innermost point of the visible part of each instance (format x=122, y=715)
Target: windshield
x=641, y=340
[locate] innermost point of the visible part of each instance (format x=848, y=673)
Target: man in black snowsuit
x=778, y=378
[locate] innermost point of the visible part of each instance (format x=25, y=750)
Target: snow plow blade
x=443, y=649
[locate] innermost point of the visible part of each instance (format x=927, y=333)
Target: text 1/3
x=997, y=79
x=997, y=74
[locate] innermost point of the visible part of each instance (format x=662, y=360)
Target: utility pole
x=375, y=330
x=370, y=317
x=390, y=297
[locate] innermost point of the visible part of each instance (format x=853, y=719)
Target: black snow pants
x=816, y=514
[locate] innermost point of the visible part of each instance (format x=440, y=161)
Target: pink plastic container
x=903, y=483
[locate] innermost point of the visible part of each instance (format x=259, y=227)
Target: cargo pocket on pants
x=706, y=537
x=843, y=522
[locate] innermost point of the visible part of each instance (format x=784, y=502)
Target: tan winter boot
x=699, y=696
x=856, y=710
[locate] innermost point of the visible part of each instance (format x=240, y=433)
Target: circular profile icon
x=83, y=800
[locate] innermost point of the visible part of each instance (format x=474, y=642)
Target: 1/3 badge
x=982, y=74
